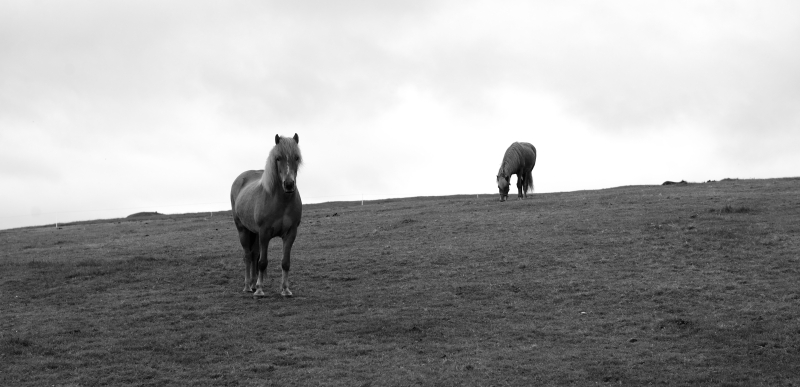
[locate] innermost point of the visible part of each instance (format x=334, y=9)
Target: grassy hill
x=680, y=285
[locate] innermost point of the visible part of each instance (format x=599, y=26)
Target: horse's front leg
x=288, y=241
x=519, y=186
x=250, y=246
x=262, y=264
x=248, y=271
x=252, y=270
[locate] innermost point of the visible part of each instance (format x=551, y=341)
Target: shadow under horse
x=519, y=160
x=266, y=204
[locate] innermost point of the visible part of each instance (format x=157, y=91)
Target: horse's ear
x=277, y=139
x=296, y=139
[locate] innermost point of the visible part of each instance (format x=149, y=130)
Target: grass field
x=642, y=285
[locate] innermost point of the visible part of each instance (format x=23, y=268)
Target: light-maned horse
x=266, y=204
x=519, y=160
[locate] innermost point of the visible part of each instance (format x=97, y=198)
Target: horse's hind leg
x=288, y=241
x=527, y=181
x=524, y=188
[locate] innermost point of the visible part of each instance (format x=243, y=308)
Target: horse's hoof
x=247, y=289
x=259, y=293
x=286, y=293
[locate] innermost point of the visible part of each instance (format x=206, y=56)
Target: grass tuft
x=728, y=209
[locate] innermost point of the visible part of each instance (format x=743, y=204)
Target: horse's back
x=521, y=154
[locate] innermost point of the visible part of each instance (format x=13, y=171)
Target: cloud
x=620, y=66
x=630, y=66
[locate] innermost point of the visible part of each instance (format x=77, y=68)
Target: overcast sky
x=113, y=107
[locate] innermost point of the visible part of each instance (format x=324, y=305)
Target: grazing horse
x=519, y=160
x=266, y=204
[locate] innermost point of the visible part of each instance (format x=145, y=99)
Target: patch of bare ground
x=677, y=285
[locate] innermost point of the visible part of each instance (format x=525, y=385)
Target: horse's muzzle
x=288, y=186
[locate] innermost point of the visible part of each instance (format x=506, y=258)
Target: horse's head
x=287, y=161
x=502, y=185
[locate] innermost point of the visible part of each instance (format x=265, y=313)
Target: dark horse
x=519, y=160
x=266, y=204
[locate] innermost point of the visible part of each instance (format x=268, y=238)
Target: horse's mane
x=288, y=148
x=511, y=160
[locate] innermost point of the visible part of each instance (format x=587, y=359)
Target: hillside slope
x=638, y=285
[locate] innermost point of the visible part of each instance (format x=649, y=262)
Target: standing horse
x=266, y=204
x=519, y=160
